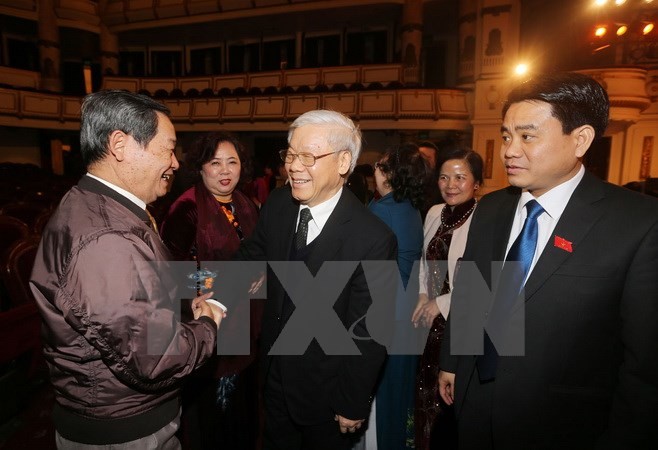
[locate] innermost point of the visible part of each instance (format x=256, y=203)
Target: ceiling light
x=647, y=28
x=619, y=2
x=600, y=2
x=621, y=30
x=600, y=31
x=521, y=69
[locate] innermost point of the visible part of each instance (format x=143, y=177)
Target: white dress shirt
x=320, y=214
x=553, y=202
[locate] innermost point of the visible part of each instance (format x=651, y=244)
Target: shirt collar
x=322, y=211
x=555, y=200
x=119, y=190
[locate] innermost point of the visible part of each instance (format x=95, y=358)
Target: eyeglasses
x=307, y=159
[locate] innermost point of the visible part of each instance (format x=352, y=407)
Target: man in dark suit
x=588, y=377
x=315, y=398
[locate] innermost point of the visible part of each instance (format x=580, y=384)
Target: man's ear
x=584, y=136
x=344, y=162
x=117, y=143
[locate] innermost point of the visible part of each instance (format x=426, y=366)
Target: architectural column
x=412, y=39
x=57, y=156
x=468, y=39
x=489, y=48
x=49, y=48
x=299, y=47
x=109, y=45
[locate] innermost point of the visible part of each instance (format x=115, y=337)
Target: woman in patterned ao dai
x=445, y=230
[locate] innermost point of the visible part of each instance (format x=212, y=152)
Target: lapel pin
x=563, y=244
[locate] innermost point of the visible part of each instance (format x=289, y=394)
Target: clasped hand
x=202, y=308
x=426, y=311
x=348, y=425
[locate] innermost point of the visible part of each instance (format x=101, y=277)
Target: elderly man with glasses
x=316, y=396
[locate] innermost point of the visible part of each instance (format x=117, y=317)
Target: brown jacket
x=102, y=307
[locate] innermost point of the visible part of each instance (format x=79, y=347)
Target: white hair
x=346, y=137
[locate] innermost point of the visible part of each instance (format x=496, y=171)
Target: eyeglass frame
x=283, y=154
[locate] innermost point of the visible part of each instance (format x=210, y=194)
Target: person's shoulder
x=500, y=195
x=244, y=200
x=493, y=200
x=100, y=226
x=188, y=194
x=279, y=202
x=434, y=212
x=379, y=207
x=187, y=199
x=631, y=203
x=280, y=194
x=372, y=223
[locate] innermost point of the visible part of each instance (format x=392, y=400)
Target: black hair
x=407, y=172
x=204, y=148
x=575, y=99
x=472, y=158
x=106, y=111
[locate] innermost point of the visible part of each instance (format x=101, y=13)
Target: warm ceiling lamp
x=619, y=2
x=647, y=28
x=621, y=30
x=600, y=2
x=600, y=31
x=521, y=69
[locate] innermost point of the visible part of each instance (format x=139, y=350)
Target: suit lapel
x=288, y=224
x=503, y=224
x=285, y=224
x=582, y=212
x=330, y=240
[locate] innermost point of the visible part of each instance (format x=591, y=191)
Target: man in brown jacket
x=104, y=307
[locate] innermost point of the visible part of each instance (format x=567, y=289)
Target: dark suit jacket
x=589, y=376
x=317, y=385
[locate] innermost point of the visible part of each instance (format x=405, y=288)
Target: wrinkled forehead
x=311, y=136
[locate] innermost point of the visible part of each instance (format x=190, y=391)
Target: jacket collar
x=90, y=185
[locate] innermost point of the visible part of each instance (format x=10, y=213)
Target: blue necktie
x=512, y=280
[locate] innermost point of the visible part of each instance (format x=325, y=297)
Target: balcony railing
x=377, y=109
x=285, y=81
x=374, y=95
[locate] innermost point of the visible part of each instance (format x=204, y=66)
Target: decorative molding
x=495, y=10
x=467, y=18
x=408, y=27
x=48, y=43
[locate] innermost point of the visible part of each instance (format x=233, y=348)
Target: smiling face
x=221, y=174
x=147, y=170
x=456, y=182
x=538, y=156
x=318, y=183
